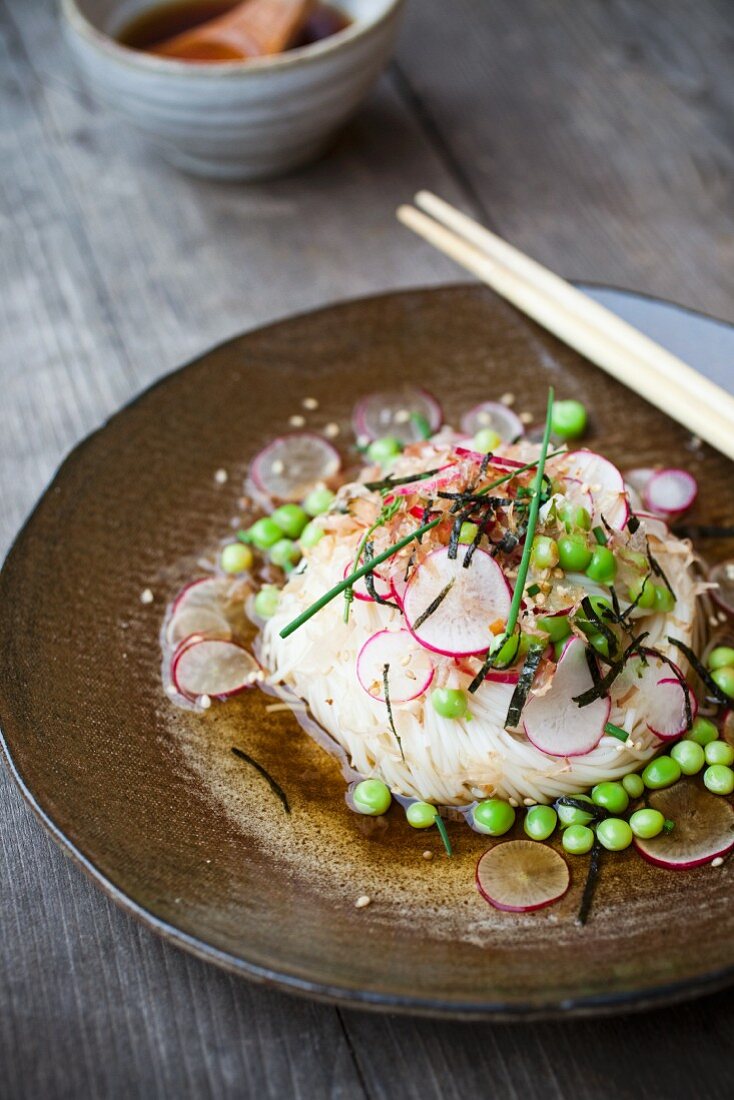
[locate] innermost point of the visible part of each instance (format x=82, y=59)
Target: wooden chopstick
x=618, y=348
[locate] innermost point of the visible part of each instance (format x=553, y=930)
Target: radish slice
x=411, y=669
x=670, y=492
x=203, y=619
x=703, y=827
x=210, y=666
x=204, y=592
x=605, y=483
x=490, y=414
x=382, y=587
x=637, y=479
x=553, y=722
x=666, y=709
x=722, y=575
x=475, y=598
x=289, y=467
x=519, y=876
x=398, y=413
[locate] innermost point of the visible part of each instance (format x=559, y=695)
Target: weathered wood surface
x=598, y=136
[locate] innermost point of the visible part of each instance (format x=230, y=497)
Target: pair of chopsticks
x=701, y=406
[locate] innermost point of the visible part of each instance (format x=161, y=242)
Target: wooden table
x=596, y=135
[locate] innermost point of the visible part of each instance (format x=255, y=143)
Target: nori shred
x=633, y=523
x=369, y=579
x=590, y=654
x=434, y=604
x=523, y=685
x=592, y=877
x=600, y=690
x=658, y=571
x=388, y=704
x=600, y=625
x=275, y=787
x=702, y=672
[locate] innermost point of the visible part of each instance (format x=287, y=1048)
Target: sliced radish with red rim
x=466, y=602
x=665, y=709
x=670, y=492
x=213, y=667
x=290, y=466
x=201, y=619
x=497, y=417
x=602, y=478
x=410, y=668
x=520, y=876
x=553, y=722
x=205, y=591
x=703, y=827
x=382, y=587
x=401, y=413
x=636, y=479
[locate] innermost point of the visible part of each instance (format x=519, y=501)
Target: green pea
x=690, y=757
x=702, y=731
x=486, y=440
x=724, y=679
x=494, y=817
x=614, y=834
x=570, y=815
x=600, y=643
x=468, y=532
x=600, y=605
x=311, y=535
x=719, y=779
x=633, y=785
x=285, y=553
x=266, y=601
x=384, y=450
x=573, y=553
x=603, y=566
x=544, y=552
x=318, y=501
x=720, y=657
x=664, y=600
x=568, y=419
x=612, y=796
x=661, y=772
x=291, y=519
x=510, y=650
x=557, y=627
x=449, y=702
x=719, y=752
x=371, y=797
x=540, y=822
x=575, y=515
x=264, y=533
x=577, y=839
x=421, y=815
x=558, y=648
x=647, y=823
x=236, y=558
x=642, y=593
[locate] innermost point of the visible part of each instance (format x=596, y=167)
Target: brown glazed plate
x=152, y=803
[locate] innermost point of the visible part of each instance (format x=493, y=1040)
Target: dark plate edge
x=606, y=1004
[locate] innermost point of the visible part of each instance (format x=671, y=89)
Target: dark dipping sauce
x=153, y=26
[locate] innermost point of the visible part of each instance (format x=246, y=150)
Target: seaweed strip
x=601, y=626
x=598, y=813
x=658, y=570
x=434, y=604
x=592, y=877
x=275, y=787
x=598, y=691
x=481, y=532
x=369, y=579
x=523, y=685
x=388, y=704
x=702, y=672
x=633, y=523
x=591, y=662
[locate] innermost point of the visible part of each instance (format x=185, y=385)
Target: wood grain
x=598, y=137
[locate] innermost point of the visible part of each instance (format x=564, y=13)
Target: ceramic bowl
x=233, y=120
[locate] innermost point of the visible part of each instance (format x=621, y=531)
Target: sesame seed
x=331, y=431
x=204, y=702
x=540, y=599
x=296, y=421
x=528, y=801
x=363, y=441
x=278, y=466
x=146, y=596
x=619, y=747
x=402, y=416
x=428, y=855
x=695, y=443
x=507, y=399
x=483, y=417
x=717, y=862
x=310, y=403
x=410, y=674
x=171, y=689
x=220, y=476
x=362, y=902
x=513, y=802
x=526, y=418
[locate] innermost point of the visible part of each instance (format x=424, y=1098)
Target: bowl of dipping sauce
x=245, y=119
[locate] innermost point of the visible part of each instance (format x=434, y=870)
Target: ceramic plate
x=150, y=800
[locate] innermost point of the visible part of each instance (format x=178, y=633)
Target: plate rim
x=434, y=1007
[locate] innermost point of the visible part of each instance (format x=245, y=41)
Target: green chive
x=616, y=731
x=600, y=535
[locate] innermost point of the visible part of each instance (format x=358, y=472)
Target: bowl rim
x=295, y=58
